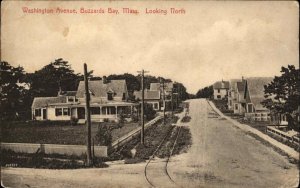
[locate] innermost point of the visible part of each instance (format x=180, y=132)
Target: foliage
x=47, y=81
x=13, y=91
x=282, y=94
x=149, y=111
x=206, y=92
x=103, y=136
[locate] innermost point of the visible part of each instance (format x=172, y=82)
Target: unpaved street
x=221, y=156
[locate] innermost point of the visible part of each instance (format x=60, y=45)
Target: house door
x=44, y=113
x=81, y=113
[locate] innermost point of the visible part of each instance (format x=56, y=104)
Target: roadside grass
x=60, y=133
x=153, y=137
x=52, y=161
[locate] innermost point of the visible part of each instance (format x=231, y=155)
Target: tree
x=282, y=95
x=206, y=92
x=13, y=91
x=57, y=75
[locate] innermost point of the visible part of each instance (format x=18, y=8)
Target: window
x=250, y=108
x=109, y=96
x=95, y=110
x=218, y=96
x=218, y=90
x=38, y=112
x=124, y=96
x=236, y=106
x=155, y=106
x=66, y=111
x=58, y=111
x=70, y=99
x=62, y=111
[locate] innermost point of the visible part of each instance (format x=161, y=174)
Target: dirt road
x=220, y=156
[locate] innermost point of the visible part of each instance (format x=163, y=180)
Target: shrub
x=103, y=136
x=149, y=111
x=73, y=121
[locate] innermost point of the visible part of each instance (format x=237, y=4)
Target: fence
x=133, y=133
x=99, y=151
x=282, y=134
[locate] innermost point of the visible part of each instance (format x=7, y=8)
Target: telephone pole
x=142, y=106
x=164, y=102
x=87, y=117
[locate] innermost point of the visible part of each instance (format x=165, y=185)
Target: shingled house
x=108, y=100
x=151, y=97
x=254, y=95
x=221, y=90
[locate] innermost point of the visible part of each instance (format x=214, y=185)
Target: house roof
x=232, y=83
x=240, y=88
x=39, y=102
x=157, y=86
x=255, y=86
x=100, y=89
x=221, y=85
x=148, y=95
x=67, y=93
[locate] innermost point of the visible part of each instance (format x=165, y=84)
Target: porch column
x=116, y=111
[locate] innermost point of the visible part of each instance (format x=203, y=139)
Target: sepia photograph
x=166, y=94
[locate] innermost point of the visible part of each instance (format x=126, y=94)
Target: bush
x=73, y=121
x=103, y=136
x=149, y=112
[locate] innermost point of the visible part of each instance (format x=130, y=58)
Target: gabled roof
x=240, y=88
x=157, y=86
x=221, y=85
x=100, y=89
x=148, y=95
x=255, y=86
x=233, y=82
x=39, y=102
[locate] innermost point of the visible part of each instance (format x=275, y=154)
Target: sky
x=210, y=42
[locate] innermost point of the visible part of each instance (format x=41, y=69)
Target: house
x=151, y=97
x=168, y=94
x=221, y=90
x=232, y=93
x=239, y=104
x=108, y=99
x=254, y=95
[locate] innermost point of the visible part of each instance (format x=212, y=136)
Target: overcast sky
x=211, y=41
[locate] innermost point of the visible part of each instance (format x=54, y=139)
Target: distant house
x=158, y=96
x=239, y=104
x=221, y=90
x=151, y=97
x=254, y=95
x=107, y=100
x=232, y=93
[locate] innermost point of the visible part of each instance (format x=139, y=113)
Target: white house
x=221, y=90
x=108, y=100
x=151, y=97
x=254, y=95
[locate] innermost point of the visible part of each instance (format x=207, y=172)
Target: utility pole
x=87, y=117
x=172, y=101
x=164, y=102
x=142, y=106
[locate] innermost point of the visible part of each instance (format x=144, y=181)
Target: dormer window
x=109, y=96
x=70, y=99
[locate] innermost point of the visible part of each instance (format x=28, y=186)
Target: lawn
x=60, y=133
